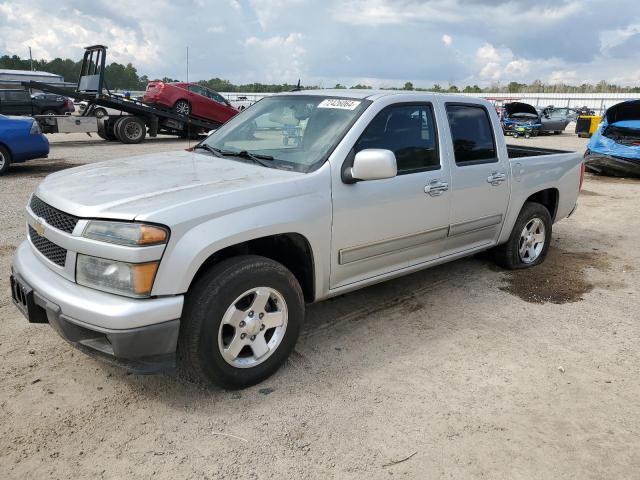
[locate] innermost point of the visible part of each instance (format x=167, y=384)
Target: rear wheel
x=5, y=160
x=130, y=130
x=240, y=322
x=529, y=240
x=49, y=112
x=182, y=107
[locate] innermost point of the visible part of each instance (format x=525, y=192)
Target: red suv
x=190, y=99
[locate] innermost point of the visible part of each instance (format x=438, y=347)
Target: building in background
x=12, y=78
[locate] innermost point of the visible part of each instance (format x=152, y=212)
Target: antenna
x=188, y=120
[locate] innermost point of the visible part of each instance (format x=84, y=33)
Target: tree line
x=117, y=76
x=126, y=77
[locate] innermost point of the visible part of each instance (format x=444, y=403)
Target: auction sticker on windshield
x=339, y=103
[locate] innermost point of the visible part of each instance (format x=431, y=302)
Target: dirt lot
x=462, y=371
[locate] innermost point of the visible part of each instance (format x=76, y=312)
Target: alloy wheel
x=532, y=240
x=252, y=327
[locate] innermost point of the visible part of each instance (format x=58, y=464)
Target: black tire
x=5, y=160
x=49, y=112
x=116, y=129
x=99, y=112
x=199, y=355
x=182, y=107
x=508, y=255
x=130, y=130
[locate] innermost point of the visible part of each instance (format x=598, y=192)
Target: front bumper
x=610, y=165
x=139, y=335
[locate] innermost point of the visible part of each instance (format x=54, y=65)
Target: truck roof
x=377, y=94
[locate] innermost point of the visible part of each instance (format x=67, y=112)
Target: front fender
x=308, y=215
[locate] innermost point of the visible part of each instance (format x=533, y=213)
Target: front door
x=381, y=226
x=480, y=178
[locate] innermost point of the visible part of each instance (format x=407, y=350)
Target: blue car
x=614, y=148
x=20, y=139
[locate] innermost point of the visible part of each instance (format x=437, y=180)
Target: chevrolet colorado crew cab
x=205, y=259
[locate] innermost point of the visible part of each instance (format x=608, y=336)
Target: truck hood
x=138, y=187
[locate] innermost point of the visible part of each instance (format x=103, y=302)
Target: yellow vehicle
x=586, y=125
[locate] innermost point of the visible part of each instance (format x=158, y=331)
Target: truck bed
x=518, y=151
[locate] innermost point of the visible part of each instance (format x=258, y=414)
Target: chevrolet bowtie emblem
x=39, y=227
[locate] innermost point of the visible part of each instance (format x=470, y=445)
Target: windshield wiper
x=203, y=146
x=254, y=157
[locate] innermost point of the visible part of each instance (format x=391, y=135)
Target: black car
x=21, y=102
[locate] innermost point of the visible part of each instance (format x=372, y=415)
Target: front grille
x=53, y=216
x=53, y=252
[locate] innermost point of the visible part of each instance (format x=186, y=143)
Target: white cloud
x=488, y=53
x=387, y=42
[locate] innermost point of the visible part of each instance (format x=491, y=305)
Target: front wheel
x=529, y=240
x=240, y=322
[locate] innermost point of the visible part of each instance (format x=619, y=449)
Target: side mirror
x=373, y=164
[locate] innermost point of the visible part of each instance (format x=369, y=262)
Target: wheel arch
x=549, y=198
x=293, y=250
x=2, y=144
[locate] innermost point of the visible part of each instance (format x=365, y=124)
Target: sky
x=381, y=43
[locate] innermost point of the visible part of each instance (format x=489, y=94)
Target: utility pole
x=30, y=59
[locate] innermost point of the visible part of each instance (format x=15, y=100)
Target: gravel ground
x=460, y=371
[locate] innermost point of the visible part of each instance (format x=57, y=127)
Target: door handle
x=496, y=178
x=436, y=188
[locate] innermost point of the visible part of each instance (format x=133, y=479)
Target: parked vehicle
x=614, y=149
x=190, y=99
x=211, y=255
x=520, y=118
x=98, y=111
x=21, y=102
x=241, y=102
x=20, y=140
x=555, y=120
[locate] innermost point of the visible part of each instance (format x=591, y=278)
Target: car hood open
x=623, y=111
x=515, y=108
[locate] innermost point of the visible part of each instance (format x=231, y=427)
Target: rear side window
x=472, y=134
x=409, y=131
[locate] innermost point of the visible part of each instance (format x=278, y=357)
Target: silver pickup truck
x=205, y=259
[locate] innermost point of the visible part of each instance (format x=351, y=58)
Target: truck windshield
x=298, y=131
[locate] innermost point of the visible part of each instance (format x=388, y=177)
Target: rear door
x=480, y=178
x=381, y=226
x=201, y=104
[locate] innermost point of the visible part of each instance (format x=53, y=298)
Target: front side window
x=298, y=131
x=409, y=131
x=471, y=134
x=216, y=96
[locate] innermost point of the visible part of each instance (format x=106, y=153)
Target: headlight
x=130, y=279
x=123, y=233
x=35, y=128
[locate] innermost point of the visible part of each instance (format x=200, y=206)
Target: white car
x=98, y=111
